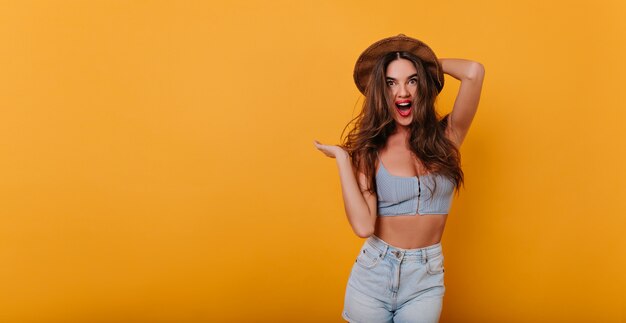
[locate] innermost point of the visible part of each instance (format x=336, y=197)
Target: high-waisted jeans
x=390, y=284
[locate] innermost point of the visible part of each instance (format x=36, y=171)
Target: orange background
x=157, y=159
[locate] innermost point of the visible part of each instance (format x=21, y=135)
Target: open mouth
x=404, y=107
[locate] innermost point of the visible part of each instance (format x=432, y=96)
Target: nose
x=403, y=91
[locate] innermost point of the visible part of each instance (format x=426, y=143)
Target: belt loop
x=384, y=252
x=384, y=246
x=425, y=254
x=379, y=245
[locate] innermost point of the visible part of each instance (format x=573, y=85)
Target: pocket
x=435, y=264
x=368, y=257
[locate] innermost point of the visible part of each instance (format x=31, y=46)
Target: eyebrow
x=410, y=77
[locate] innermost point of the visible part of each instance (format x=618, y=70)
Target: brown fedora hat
x=401, y=43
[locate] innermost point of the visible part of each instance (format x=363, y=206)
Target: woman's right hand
x=331, y=151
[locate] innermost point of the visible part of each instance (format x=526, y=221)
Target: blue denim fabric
x=390, y=284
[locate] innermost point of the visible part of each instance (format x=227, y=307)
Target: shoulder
x=361, y=163
x=364, y=171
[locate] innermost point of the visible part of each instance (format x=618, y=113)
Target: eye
x=413, y=81
x=390, y=83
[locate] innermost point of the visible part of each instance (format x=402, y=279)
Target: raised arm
x=471, y=75
x=360, y=205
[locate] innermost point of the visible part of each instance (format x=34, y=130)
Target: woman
x=399, y=167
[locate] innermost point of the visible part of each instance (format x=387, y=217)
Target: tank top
x=416, y=195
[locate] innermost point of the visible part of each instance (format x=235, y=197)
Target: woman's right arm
x=359, y=203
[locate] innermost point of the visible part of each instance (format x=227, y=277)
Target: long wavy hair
x=375, y=123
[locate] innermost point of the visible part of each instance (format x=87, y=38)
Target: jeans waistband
x=422, y=254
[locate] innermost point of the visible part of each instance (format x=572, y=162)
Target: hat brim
x=400, y=43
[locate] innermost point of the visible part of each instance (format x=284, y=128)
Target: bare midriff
x=411, y=231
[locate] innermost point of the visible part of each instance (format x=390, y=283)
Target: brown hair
x=375, y=123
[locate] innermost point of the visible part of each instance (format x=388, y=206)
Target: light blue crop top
x=400, y=195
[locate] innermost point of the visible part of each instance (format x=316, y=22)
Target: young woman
x=399, y=167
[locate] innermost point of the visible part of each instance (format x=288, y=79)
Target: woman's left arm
x=471, y=75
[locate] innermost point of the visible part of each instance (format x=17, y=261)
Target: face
x=401, y=78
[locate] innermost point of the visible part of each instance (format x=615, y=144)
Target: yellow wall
x=157, y=159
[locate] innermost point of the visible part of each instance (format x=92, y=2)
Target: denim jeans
x=390, y=284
